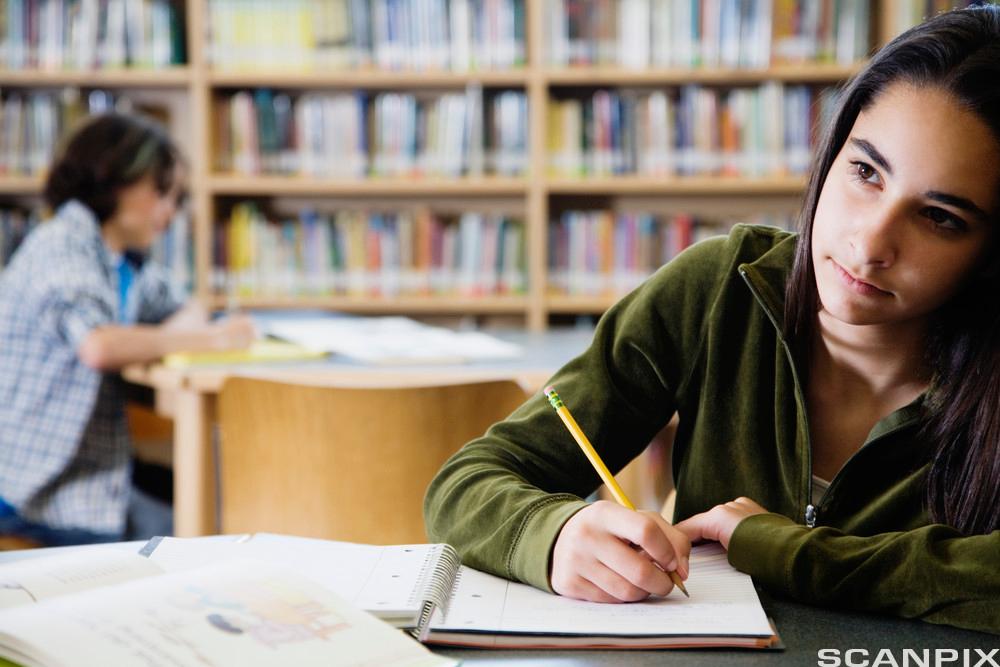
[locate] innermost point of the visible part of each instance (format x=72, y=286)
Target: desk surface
x=803, y=629
x=544, y=353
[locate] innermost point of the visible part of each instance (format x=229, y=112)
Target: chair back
x=344, y=463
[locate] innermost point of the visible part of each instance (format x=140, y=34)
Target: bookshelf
x=194, y=89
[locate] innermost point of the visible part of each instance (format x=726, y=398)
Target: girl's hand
x=718, y=523
x=608, y=553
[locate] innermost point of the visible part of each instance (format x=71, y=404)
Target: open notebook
x=96, y=606
x=423, y=588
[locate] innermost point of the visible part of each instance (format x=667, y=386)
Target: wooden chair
x=344, y=463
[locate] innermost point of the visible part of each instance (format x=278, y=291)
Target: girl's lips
x=856, y=285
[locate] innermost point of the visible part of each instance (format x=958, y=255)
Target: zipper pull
x=810, y=516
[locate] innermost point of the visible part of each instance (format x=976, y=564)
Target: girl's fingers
x=613, y=583
x=636, y=568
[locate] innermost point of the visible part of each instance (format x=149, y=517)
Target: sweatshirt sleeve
x=503, y=498
x=933, y=573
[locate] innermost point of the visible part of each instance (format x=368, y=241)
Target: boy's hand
x=718, y=523
x=233, y=333
x=607, y=553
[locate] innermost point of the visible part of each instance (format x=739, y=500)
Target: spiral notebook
x=424, y=589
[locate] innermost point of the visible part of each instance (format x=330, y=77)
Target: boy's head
x=125, y=169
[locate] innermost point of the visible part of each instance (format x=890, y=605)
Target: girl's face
x=903, y=219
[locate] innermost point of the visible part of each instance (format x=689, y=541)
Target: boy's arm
x=110, y=347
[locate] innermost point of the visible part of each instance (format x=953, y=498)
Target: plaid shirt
x=64, y=445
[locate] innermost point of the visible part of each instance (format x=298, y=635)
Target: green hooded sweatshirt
x=702, y=338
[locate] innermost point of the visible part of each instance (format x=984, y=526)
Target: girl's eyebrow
x=873, y=153
x=961, y=203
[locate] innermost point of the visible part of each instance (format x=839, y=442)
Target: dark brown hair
x=957, y=52
x=109, y=152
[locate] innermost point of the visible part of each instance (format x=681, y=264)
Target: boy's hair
x=109, y=152
x=957, y=52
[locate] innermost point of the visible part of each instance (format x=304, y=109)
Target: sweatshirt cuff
x=529, y=559
x=759, y=548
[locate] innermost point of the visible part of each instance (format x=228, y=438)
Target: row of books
x=908, y=13
x=88, y=34
x=609, y=253
x=706, y=33
x=32, y=124
x=389, y=34
x=351, y=135
x=755, y=131
x=174, y=252
x=363, y=252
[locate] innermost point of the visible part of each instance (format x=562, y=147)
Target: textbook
x=100, y=606
x=424, y=588
x=259, y=351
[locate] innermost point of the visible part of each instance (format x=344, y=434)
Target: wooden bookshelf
x=197, y=87
x=364, y=304
x=369, y=79
x=297, y=185
x=172, y=77
x=21, y=185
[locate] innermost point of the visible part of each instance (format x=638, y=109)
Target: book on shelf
x=608, y=253
x=388, y=134
x=108, y=606
x=430, y=35
x=359, y=252
x=33, y=122
x=744, y=34
x=90, y=34
x=695, y=130
x=425, y=589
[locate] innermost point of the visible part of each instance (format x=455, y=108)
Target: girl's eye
x=944, y=220
x=864, y=172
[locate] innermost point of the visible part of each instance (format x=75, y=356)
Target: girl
x=77, y=304
x=846, y=378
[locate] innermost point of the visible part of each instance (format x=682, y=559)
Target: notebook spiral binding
x=439, y=577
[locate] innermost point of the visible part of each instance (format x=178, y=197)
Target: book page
x=391, y=340
x=35, y=579
x=382, y=579
x=723, y=602
x=234, y=613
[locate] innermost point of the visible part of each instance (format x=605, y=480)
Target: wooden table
x=188, y=396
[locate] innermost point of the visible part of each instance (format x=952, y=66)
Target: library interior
x=380, y=228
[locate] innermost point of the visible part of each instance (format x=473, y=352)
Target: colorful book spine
x=90, y=34
x=594, y=253
x=353, y=135
x=745, y=34
x=693, y=130
x=425, y=35
x=33, y=122
x=361, y=252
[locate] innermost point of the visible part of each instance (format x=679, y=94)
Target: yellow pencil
x=595, y=460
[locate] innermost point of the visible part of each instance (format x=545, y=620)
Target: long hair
x=107, y=153
x=958, y=52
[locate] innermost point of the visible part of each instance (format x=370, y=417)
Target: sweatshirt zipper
x=811, y=512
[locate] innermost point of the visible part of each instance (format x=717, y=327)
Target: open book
x=389, y=340
x=423, y=588
x=100, y=606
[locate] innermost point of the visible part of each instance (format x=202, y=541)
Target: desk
x=803, y=629
x=189, y=397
